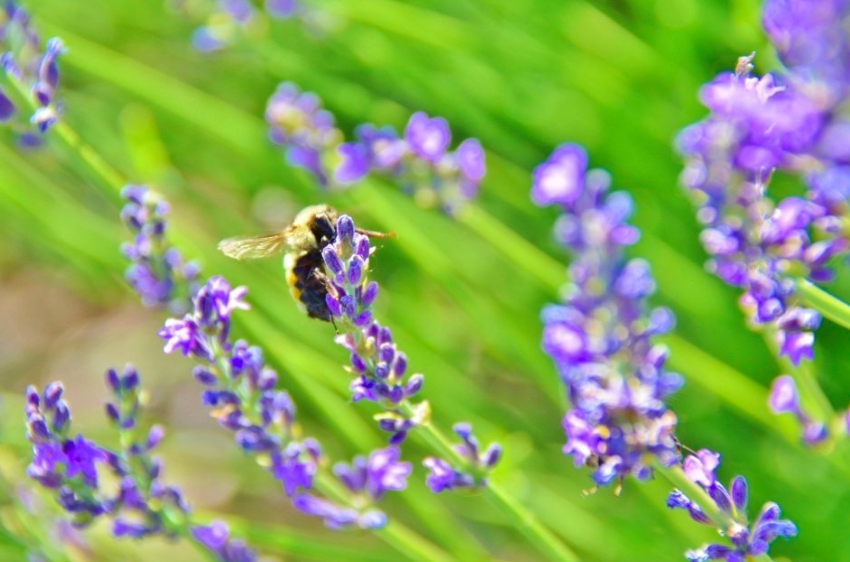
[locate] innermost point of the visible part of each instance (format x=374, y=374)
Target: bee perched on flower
x=312, y=230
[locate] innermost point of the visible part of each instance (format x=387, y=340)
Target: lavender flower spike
x=141, y=504
x=33, y=71
x=791, y=122
x=379, y=366
x=745, y=540
x=601, y=336
x=157, y=272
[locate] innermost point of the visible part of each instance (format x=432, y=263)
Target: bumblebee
x=313, y=228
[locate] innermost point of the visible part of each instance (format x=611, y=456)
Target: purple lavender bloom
x=789, y=122
x=157, y=272
x=382, y=472
x=32, y=71
x=561, y=178
x=427, y=137
x=601, y=336
x=368, y=479
x=745, y=540
x=476, y=464
x=307, y=131
x=143, y=505
x=785, y=399
x=216, y=538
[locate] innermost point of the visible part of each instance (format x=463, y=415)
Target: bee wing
x=253, y=247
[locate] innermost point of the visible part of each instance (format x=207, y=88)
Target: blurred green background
x=462, y=297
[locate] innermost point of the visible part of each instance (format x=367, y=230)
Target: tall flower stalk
x=601, y=338
x=790, y=123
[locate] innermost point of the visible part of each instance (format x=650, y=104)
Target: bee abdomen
x=309, y=288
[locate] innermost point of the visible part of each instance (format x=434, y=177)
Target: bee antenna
x=374, y=233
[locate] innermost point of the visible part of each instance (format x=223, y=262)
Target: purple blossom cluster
x=32, y=71
x=601, y=336
x=139, y=504
x=746, y=540
x=230, y=17
x=242, y=391
x=790, y=123
x=420, y=159
x=477, y=463
x=368, y=480
x=157, y=272
x=380, y=368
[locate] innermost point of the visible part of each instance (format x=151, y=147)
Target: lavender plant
x=602, y=340
x=140, y=504
x=30, y=76
x=419, y=160
x=791, y=123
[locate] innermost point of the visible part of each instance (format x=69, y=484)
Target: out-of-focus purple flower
x=785, y=399
x=419, y=160
x=157, y=272
x=282, y=9
x=476, y=464
x=560, y=179
x=427, y=137
x=758, y=127
x=216, y=538
x=304, y=128
x=745, y=540
x=34, y=72
x=601, y=336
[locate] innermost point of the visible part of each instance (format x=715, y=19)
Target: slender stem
x=831, y=307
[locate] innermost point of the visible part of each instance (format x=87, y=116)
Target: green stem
x=831, y=307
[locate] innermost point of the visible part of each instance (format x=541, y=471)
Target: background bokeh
x=462, y=297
